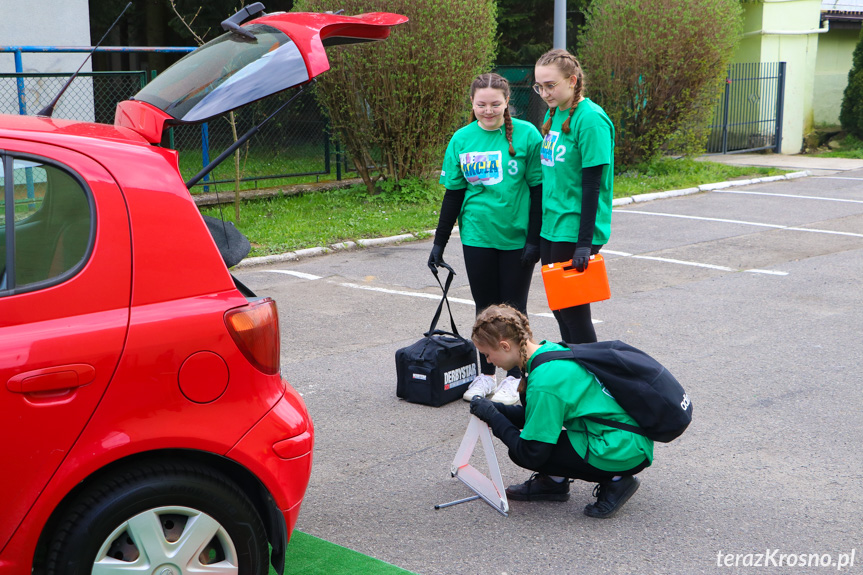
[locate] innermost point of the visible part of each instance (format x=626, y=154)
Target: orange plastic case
x=566, y=287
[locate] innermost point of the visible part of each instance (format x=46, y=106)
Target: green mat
x=308, y=555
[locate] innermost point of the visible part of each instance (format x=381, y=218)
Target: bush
x=655, y=67
x=396, y=103
x=851, y=113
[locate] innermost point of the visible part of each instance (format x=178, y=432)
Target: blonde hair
x=499, y=322
x=495, y=82
x=569, y=66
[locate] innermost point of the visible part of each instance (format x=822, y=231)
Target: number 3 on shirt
x=513, y=167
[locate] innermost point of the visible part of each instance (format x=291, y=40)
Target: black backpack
x=640, y=384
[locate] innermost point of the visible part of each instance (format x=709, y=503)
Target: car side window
x=46, y=227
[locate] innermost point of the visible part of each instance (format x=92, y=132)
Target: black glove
x=530, y=255
x=482, y=408
x=581, y=258
x=435, y=258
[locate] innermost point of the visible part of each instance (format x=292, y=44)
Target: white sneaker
x=507, y=391
x=483, y=385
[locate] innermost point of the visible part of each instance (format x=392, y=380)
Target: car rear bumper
x=278, y=450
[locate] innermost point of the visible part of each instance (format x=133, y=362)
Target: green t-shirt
x=590, y=142
x=560, y=394
x=497, y=198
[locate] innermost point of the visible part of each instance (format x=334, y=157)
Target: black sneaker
x=610, y=496
x=539, y=488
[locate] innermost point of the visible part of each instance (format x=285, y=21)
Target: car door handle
x=55, y=378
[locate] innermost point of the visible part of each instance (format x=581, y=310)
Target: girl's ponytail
x=507, y=122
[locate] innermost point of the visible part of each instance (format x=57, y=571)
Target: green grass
x=297, y=159
x=308, y=555
x=677, y=174
x=852, y=147
x=287, y=223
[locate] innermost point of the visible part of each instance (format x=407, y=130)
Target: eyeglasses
x=548, y=87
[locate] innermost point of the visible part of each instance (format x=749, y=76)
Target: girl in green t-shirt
x=577, y=178
x=550, y=433
x=492, y=175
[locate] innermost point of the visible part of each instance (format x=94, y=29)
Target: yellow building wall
x=835, y=49
x=786, y=31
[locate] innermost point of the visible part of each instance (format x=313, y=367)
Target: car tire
x=172, y=514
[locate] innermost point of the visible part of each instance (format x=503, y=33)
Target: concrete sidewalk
x=816, y=166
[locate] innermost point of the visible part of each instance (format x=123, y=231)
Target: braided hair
x=568, y=66
x=495, y=82
x=499, y=322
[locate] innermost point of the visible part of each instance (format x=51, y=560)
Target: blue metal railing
x=207, y=134
x=748, y=113
x=17, y=51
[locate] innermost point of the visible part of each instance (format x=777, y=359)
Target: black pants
x=574, y=322
x=495, y=277
x=564, y=460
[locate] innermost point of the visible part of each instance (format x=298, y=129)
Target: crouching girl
x=550, y=434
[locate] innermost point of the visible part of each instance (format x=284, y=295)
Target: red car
x=145, y=425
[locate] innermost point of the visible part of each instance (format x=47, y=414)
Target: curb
x=391, y=240
x=705, y=188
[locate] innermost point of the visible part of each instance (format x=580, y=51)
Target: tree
x=152, y=23
x=396, y=103
x=851, y=112
x=526, y=29
x=655, y=66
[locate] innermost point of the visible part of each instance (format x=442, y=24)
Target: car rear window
x=227, y=73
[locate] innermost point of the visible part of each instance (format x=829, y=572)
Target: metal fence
x=298, y=142
x=525, y=103
x=748, y=113
x=295, y=143
x=92, y=97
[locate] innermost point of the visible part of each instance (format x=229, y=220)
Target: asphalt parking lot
x=751, y=296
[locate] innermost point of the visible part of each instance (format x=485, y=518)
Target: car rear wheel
x=166, y=518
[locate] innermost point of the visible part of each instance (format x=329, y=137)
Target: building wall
x=59, y=23
x=786, y=31
x=835, y=49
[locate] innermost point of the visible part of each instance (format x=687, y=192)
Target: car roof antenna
x=48, y=110
x=232, y=24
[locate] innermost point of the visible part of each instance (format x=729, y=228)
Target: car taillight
x=255, y=329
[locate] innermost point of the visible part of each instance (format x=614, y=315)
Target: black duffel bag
x=438, y=368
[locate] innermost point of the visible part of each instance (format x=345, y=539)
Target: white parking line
x=741, y=222
x=791, y=195
x=837, y=178
x=695, y=264
x=407, y=293
x=302, y=275
x=432, y=296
